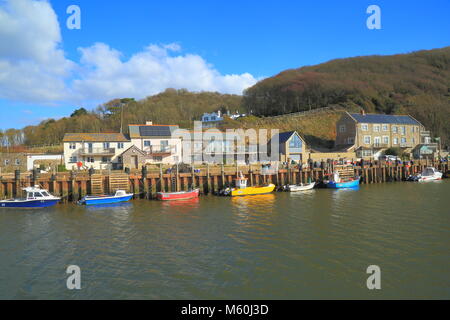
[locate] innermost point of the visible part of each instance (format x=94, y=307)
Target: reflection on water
x=315, y=244
x=112, y=206
x=247, y=204
x=184, y=206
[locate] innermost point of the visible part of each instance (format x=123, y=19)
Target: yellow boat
x=242, y=189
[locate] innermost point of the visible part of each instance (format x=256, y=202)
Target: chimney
x=149, y=123
x=363, y=112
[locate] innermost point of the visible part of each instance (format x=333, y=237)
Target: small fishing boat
x=242, y=189
x=119, y=196
x=35, y=198
x=174, y=196
x=429, y=174
x=337, y=183
x=301, y=187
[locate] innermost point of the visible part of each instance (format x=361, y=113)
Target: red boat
x=184, y=195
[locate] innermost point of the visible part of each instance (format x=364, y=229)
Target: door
x=135, y=162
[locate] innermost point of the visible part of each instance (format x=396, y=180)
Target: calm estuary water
x=281, y=246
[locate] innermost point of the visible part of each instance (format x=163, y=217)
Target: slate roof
x=138, y=131
x=384, y=118
x=95, y=137
x=283, y=137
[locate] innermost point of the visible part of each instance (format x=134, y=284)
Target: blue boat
x=337, y=183
x=342, y=185
x=35, y=198
x=120, y=196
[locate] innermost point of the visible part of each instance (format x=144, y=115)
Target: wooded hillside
x=417, y=83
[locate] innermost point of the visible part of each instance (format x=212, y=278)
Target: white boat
x=429, y=174
x=301, y=187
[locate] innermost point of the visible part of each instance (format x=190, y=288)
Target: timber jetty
x=74, y=185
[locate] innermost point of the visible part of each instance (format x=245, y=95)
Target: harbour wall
x=73, y=185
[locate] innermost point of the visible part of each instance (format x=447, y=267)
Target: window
x=45, y=194
x=417, y=129
x=164, y=145
x=414, y=141
x=376, y=128
x=105, y=159
x=30, y=195
x=403, y=140
x=367, y=139
x=37, y=195
x=17, y=162
x=386, y=139
x=403, y=130
x=119, y=159
x=90, y=159
x=157, y=159
x=412, y=129
x=73, y=159
x=395, y=140
x=377, y=140
x=105, y=145
x=385, y=127
x=394, y=129
x=367, y=153
x=350, y=140
x=120, y=145
x=342, y=128
x=176, y=159
x=72, y=145
x=364, y=127
x=6, y=162
x=295, y=144
x=147, y=143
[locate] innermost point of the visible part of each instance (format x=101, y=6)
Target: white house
x=94, y=150
x=158, y=141
x=210, y=120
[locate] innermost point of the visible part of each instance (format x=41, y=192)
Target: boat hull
x=30, y=204
x=434, y=178
x=253, y=191
x=343, y=185
x=89, y=201
x=176, y=196
x=296, y=188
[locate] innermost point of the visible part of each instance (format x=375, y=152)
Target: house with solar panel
x=159, y=142
x=371, y=134
x=94, y=150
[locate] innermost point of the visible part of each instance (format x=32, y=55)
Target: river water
x=281, y=246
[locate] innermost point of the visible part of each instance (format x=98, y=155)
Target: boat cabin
x=430, y=171
x=36, y=193
x=241, y=182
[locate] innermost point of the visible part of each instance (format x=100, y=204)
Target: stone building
x=371, y=134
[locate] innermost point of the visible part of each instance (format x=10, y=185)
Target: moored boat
x=35, y=198
x=337, y=183
x=301, y=187
x=119, y=196
x=429, y=174
x=173, y=196
x=243, y=190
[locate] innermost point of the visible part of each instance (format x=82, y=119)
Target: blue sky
x=203, y=45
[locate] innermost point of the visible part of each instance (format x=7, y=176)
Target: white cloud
x=33, y=67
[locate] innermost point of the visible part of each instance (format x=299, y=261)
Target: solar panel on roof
x=155, y=131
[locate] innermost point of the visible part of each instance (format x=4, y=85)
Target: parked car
x=389, y=158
